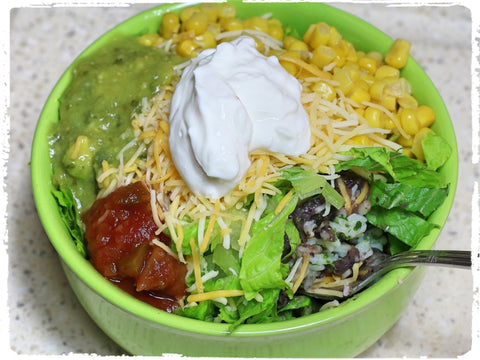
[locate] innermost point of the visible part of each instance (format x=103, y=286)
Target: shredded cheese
x=246, y=226
x=164, y=247
x=214, y=295
x=303, y=273
x=362, y=194
x=211, y=224
x=196, y=266
x=304, y=65
x=343, y=192
x=284, y=202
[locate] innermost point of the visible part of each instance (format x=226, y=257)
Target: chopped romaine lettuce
x=404, y=225
x=261, y=266
x=408, y=197
x=412, y=192
x=397, y=167
x=435, y=150
x=308, y=183
x=70, y=216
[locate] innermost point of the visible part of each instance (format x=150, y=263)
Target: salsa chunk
x=119, y=233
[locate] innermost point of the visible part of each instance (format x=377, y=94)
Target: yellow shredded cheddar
x=214, y=295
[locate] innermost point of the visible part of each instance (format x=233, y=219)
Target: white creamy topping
x=230, y=101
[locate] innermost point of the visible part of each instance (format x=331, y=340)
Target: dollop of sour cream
x=231, y=101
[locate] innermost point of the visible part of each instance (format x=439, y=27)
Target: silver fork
x=379, y=264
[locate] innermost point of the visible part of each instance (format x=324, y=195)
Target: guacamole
x=95, y=111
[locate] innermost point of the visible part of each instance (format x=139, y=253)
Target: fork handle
x=452, y=258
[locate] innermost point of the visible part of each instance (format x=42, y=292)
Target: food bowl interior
x=364, y=37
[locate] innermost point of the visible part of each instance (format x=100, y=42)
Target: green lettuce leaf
x=373, y=159
x=411, y=192
x=202, y=311
x=436, y=150
x=308, y=183
x=261, y=266
x=404, y=225
x=296, y=303
x=70, y=216
x=397, y=167
x=408, y=197
x=255, y=312
x=293, y=236
x=226, y=259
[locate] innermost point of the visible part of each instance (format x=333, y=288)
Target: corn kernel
x=259, y=45
x=231, y=24
x=211, y=9
x=376, y=90
x=417, y=148
x=187, y=48
x=288, y=40
x=344, y=46
x=289, y=66
x=385, y=71
x=335, y=36
x=307, y=35
x=404, y=141
x=353, y=70
x=375, y=55
x=170, y=25
x=297, y=45
x=425, y=115
x=197, y=23
x=345, y=82
x=358, y=94
x=323, y=55
x=407, y=101
x=149, y=39
x=367, y=78
x=188, y=11
x=339, y=56
x=368, y=64
x=408, y=152
x=292, y=53
x=274, y=22
x=374, y=117
x=256, y=23
x=397, y=86
x=360, y=111
x=362, y=84
x=350, y=53
x=389, y=102
x=158, y=41
x=409, y=122
x=317, y=34
x=362, y=140
x=325, y=90
x=275, y=31
x=397, y=56
x=183, y=35
x=389, y=123
x=206, y=40
x=214, y=28
x=226, y=10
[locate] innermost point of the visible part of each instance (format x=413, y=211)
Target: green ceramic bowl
x=344, y=331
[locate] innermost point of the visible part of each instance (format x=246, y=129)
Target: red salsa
x=119, y=233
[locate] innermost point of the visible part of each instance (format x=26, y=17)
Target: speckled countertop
x=44, y=315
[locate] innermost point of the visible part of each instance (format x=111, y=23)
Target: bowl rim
x=87, y=274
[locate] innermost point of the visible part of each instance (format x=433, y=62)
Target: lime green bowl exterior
x=140, y=329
